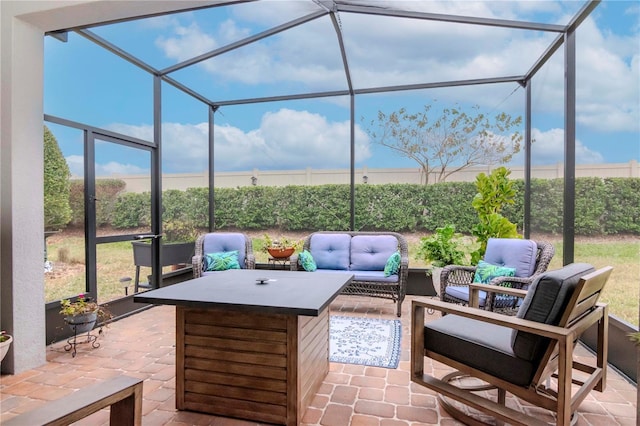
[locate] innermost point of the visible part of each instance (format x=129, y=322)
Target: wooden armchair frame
x=580, y=314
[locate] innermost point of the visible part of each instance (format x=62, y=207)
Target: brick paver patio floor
x=143, y=346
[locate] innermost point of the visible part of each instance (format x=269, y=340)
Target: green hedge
x=609, y=206
x=108, y=192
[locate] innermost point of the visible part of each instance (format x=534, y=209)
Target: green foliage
x=448, y=202
x=107, y=191
x=57, y=211
x=494, y=192
x=449, y=143
x=622, y=198
x=392, y=207
x=76, y=202
x=132, y=210
x=442, y=248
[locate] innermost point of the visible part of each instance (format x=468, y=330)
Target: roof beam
x=244, y=42
x=369, y=10
x=90, y=35
x=513, y=79
x=555, y=45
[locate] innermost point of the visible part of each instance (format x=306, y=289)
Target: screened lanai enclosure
x=182, y=114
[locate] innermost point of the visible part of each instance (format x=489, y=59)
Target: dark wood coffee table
x=249, y=350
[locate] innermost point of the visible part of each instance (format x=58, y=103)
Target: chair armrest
x=293, y=263
x=458, y=274
x=455, y=275
x=476, y=288
x=551, y=331
x=250, y=261
x=196, y=261
x=513, y=282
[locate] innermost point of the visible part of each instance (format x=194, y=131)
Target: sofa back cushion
x=545, y=302
x=514, y=253
x=331, y=251
x=371, y=252
x=218, y=242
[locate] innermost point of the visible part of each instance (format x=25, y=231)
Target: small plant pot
x=82, y=323
x=280, y=253
x=435, y=278
x=4, y=347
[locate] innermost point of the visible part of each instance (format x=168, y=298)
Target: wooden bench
x=123, y=394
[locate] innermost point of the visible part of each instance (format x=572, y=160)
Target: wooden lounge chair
x=520, y=354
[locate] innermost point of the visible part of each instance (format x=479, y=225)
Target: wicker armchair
x=455, y=280
x=220, y=242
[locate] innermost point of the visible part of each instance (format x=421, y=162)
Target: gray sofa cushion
x=546, y=299
x=331, y=251
x=486, y=347
x=371, y=252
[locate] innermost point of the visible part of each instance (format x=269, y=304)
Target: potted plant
x=280, y=248
x=494, y=192
x=444, y=247
x=83, y=314
x=5, y=342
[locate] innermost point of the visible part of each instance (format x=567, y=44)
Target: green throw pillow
x=393, y=264
x=485, y=272
x=220, y=261
x=307, y=262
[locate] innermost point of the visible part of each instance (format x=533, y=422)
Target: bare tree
x=454, y=141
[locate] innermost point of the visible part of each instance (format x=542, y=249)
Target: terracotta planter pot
x=4, y=347
x=82, y=323
x=280, y=253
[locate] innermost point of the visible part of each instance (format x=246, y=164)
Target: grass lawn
x=115, y=261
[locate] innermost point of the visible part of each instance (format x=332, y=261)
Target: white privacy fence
x=141, y=183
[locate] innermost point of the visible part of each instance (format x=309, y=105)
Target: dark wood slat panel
x=237, y=333
x=236, y=393
x=252, y=320
x=277, y=373
x=237, y=345
x=258, y=412
x=242, y=357
x=314, y=328
x=236, y=380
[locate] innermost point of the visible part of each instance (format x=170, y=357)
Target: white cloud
x=76, y=165
x=285, y=139
x=400, y=51
x=188, y=42
x=548, y=148
x=111, y=168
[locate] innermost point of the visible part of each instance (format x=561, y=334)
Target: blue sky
x=87, y=84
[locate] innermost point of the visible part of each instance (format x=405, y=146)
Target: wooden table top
x=284, y=292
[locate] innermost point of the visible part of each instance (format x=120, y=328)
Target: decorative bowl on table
x=280, y=253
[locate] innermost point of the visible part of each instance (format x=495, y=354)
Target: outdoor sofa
x=366, y=255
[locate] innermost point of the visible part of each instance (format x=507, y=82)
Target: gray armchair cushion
x=546, y=299
x=514, y=253
x=502, y=351
x=217, y=242
x=484, y=346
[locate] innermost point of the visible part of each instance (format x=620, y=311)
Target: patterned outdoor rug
x=364, y=341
